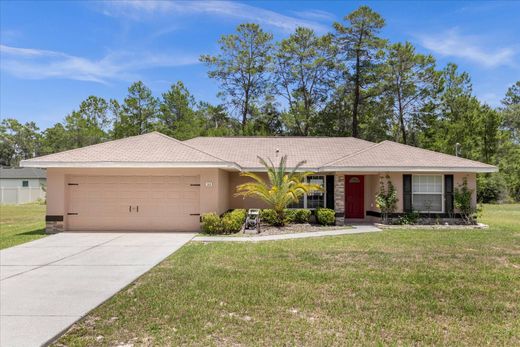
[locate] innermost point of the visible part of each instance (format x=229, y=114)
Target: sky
x=54, y=54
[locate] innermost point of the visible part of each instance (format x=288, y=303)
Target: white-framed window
x=313, y=200
x=428, y=193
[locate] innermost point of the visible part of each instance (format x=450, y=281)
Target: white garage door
x=138, y=203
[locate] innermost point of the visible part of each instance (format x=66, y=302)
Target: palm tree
x=281, y=188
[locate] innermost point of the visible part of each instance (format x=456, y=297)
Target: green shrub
x=408, y=218
x=290, y=215
x=211, y=223
x=268, y=216
x=232, y=221
x=491, y=188
x=300, y=216
x=462, y=201
x=386, y=198
x=325, y=216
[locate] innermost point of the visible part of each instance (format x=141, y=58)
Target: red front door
x=355, y=196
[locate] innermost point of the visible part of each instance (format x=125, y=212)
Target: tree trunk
x=245, y=111
x=401, y=116
x=357, y=92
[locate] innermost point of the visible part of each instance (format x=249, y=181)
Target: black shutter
x=330, y=191
x=448, y=193
x=407, y=193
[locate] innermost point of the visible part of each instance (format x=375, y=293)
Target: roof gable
x=152, y=149
x=393, y=156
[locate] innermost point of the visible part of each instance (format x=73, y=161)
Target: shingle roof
x=22, y=172
x=393, y=155
x=326, y=154
x=244, y=150
x=143, y=150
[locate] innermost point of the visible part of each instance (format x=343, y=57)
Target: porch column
x=339, y=199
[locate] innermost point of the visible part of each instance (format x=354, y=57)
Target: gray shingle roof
x=22, y=172
x=316, y=151
x=326, y=154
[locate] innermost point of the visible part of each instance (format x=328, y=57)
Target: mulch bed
x=266, y=229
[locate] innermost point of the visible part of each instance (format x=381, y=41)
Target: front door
x=354, y=196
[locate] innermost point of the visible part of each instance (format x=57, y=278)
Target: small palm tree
x=281, y=189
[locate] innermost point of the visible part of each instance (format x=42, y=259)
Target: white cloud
x=318, y=15
x=452, y=44
x=141, y=10
x=30, y=63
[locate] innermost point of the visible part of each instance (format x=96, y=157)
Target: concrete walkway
x=356, y=229
x=48, y=284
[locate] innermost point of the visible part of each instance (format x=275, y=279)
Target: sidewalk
x=356, y=229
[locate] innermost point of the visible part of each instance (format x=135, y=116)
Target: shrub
x=299, y=216
x=492, y=188
x=232, y=221
x=462, y=202
x=211, y=223
x=408, y=218
x=269, y=216
x=325, y=216
x=386, y=198
x=290, y=215
x=302, y=216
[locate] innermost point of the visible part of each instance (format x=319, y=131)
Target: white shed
x=22, y=185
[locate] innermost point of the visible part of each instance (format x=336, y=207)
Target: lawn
x=397, y=287
x=21, y=223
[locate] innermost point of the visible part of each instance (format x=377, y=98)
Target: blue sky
x=55, y=54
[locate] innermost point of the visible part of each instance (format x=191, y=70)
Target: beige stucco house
x=153, y=182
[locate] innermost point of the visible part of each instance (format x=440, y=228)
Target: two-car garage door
x=137, y=203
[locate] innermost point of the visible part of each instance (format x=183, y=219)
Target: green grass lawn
x=21, y=223
x=398, y=287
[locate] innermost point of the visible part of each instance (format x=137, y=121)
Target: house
x=21, y=185
x=153, y=182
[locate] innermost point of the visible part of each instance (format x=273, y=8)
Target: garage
x=133, y=203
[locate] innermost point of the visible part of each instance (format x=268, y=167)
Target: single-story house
x=21, y=185
x=153, y=182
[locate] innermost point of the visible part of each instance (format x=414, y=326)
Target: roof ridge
x=277, y=137
x=432, y=151
x=194, y=148
x=352, y=154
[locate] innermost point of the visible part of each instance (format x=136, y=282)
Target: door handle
x=130, y=208
x=137, y=208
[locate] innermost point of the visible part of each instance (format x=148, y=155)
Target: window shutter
x=448, y=193
x=407, y=193
x=329, y=183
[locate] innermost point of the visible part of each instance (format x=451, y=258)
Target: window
x=316, y=199
x=25, y=183
x=312, y=200
x=427, y=193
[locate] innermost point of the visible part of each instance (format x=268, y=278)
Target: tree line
x=348, y=82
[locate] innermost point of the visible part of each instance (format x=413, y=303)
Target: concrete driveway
x=48, y=284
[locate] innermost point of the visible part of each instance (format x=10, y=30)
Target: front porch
x=354, y=197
